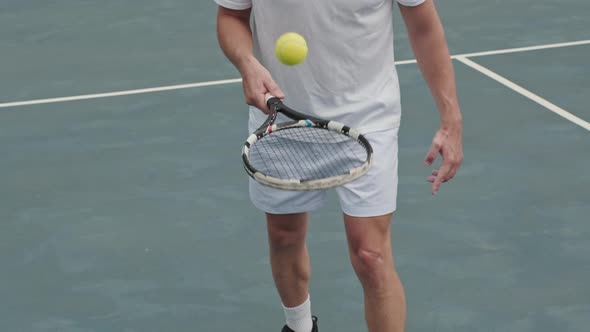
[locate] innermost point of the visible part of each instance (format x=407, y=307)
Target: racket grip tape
x=271, y=101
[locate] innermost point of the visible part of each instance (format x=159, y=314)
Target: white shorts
x=373, y=194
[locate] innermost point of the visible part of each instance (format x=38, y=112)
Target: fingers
x=274, y=89
x=432, y=153
x=261, y=103
x=432, y=177
x=448, y=145
x=255, y=97
x=447, y=171
x=441, y=176
x=257, y=82
x=435, y=178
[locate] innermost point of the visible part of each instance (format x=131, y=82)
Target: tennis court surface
x=124, y=207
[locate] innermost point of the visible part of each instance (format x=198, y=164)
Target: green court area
x=108, y=223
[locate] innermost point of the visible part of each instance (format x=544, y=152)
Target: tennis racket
x=307, y=153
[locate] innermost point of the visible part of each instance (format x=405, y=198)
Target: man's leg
x=369, y=244
x=290, y=266
x=289, y=259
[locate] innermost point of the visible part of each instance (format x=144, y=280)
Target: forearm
x=430, y=47
x=235, y=37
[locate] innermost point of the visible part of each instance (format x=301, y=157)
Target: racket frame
x=276, y=106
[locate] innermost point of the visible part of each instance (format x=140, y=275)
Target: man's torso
x=349, y=74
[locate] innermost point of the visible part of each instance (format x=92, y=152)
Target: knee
x=285, y=238
x=371, y=265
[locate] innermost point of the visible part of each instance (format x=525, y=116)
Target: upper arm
x=421, y=17
x=235, y=8
x=410, y=3
x=235, y=4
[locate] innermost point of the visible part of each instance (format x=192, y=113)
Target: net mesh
x=304, y=153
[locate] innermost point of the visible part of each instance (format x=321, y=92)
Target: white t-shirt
x=349, y=74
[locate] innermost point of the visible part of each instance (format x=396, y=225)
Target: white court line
x=237, y=80
x=120, y=93
x=523, y=49
x=543, y=102
x=405, y=62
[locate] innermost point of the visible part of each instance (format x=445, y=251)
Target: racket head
x=305, y=154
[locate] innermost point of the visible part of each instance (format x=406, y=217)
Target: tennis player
x=349, y=76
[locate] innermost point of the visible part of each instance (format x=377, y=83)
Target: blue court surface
x=112, y=111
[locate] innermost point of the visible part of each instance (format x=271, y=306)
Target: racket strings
x=306, y=154
x=338, y=154
x=311, y=154
x=349, y=149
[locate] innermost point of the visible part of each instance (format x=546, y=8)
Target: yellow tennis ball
x=291, y=49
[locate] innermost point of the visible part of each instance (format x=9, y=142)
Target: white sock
x=299, y=317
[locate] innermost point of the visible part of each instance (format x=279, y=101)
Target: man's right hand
x=257, y=82
x=235, y=39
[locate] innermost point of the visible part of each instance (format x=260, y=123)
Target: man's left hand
x=447, y=141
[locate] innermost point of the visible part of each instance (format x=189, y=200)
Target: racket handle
x=271, y=101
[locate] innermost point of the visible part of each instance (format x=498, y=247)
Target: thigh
x=375, y=193
x=277, y=201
